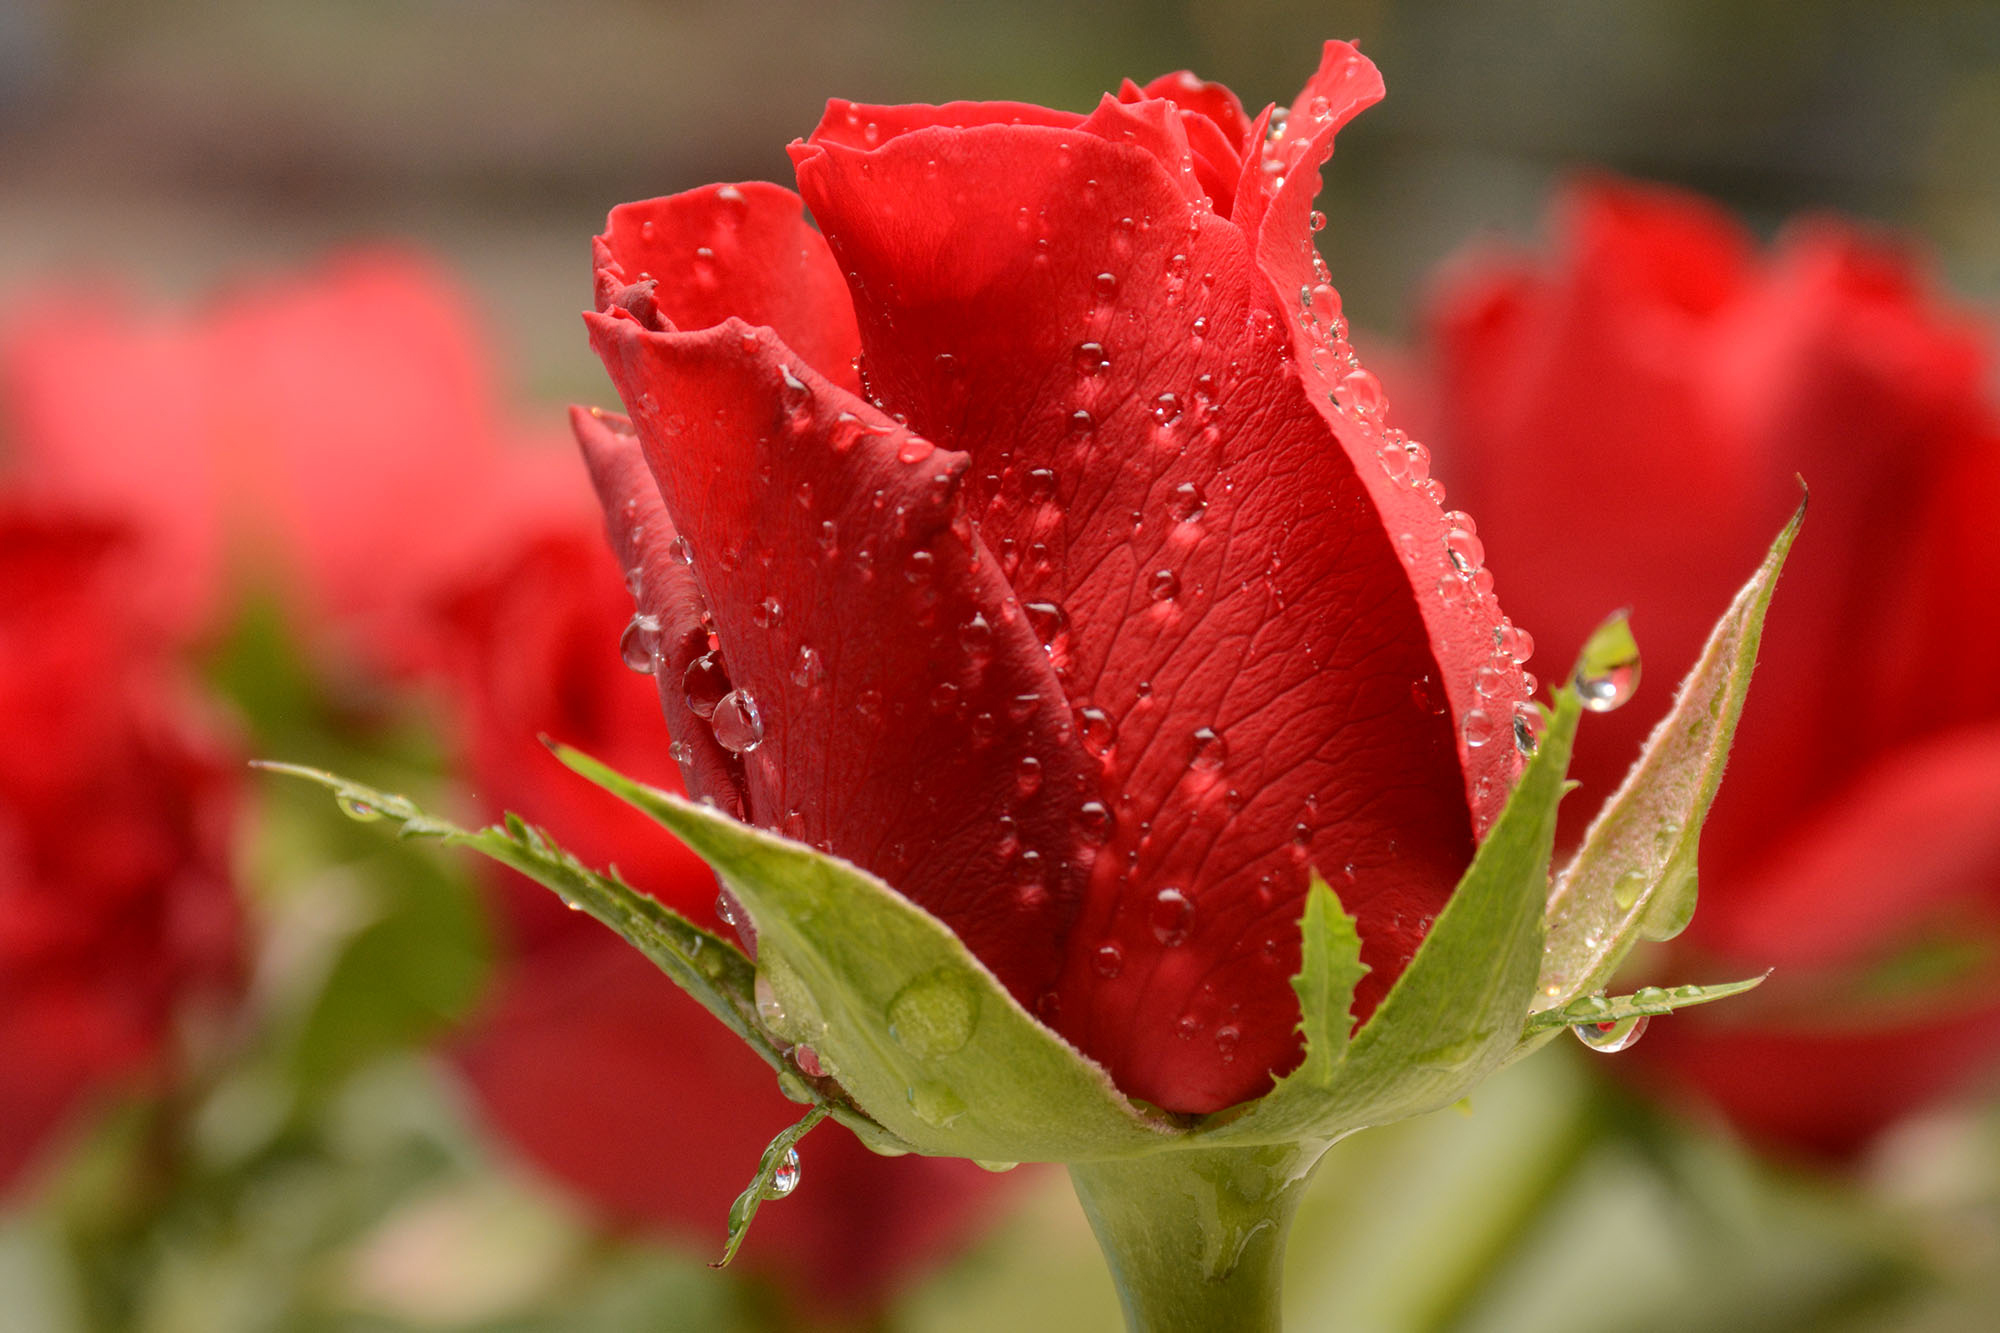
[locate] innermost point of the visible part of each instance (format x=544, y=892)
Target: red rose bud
x=117, y=915
x=1030, y=537
x=592, y=1063
x=1629, y=415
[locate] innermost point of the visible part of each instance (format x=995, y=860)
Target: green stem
x=1196, y=1239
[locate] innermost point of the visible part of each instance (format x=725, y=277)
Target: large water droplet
x=1611, y=1035
x=786, y=1178
x=935, y=1104
x=1094, y=728
x=1187, y=504
x=808, y=1061
x=738, y=722
x=1478, y=726
x=1608, y=673
x=1171, y=916
x=1165, y=586
x=934, y=1015
x=1467, y=552
x=1090, y=359
x=1209, y=750
x=639, y=645
x=706, y=684
x=1048, y=618
x=1095, y=822
x=770, y=1009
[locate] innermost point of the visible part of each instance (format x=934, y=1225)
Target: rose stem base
x=1195, y=1239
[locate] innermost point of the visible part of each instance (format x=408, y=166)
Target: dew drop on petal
x=1109, y=960
x=639, y=645
x=738, y=722
x=1478, y=726
x=1187, y=503
x=1171, y=916
x=705, y=683
x=807, y=668
x=1209, y=750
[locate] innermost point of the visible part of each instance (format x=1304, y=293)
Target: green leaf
x=1455, y=1014
x=764, y=1185
x=914, y=1027
x=1634, y=875
x=1646, y=1002
x=706, y=966
x=1330, y=967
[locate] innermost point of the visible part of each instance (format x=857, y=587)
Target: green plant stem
x=1196, y=1239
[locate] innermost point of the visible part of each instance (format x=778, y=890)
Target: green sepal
x=760, y=1188
x=1646, y=1002
x=1455, y=1014
x=1634, y=876
x=919, y=1033
x=1330, y=967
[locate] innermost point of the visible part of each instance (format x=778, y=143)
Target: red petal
x=1157, y=128
x=863, y=125
x=1279, y=187
x=698, y=258
x=664, y=589
x=1296, y=629
x=910, y=720
x=1211, y=101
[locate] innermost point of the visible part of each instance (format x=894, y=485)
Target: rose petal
x=1287, y=620
x=743, y=250
x=910, y=721
x=865, y=125
x=643, y=535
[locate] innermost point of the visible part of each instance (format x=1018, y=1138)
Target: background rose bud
x=587, y=1059
x=117, y=915
x=1629, y=415
x=1029, y=539
x=306, y=436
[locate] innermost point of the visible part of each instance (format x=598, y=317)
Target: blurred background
x=336, y=1161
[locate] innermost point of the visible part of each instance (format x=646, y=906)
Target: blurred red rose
x=1629, y=417
x=588, y=1059
x=305, y=435
x=1058, y=572
x=117, y=913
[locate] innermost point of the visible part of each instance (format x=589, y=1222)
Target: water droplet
x=935, y=1104
x=1095, y=822
x=1091, y=359
x=1107, y=286
x=1081, y=422
x=1529, y=724
x=934, y=1015
x=679, y=549
x=1467, y=552
x=770, y=1009
x=639, y=645
x=767, y=613
x=1316, y=220
x=1360, y=392
x=1166, y=585
x=1478, y=726
x=738, y=722
x=807, y=668
x=728, y=910
x=1209, y=750
x=1041, y=484
x=1625, y=891
x=998, y=1168
x=1227, y=1038
x=1419, y=459
x=1393, y=459
x=1167, y=408
x=1028, y=775
x=706, y=684
x=1187, y=504
x=1171, y=917
x=1490, y=680
x=1611, y=1035
x=356, y=809
x=1094, y=728
x=808, y=1061
x=1109, y=960
x=1048, y=618
x=786, y=1178
x=1514, y=641
x=1608, y=687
